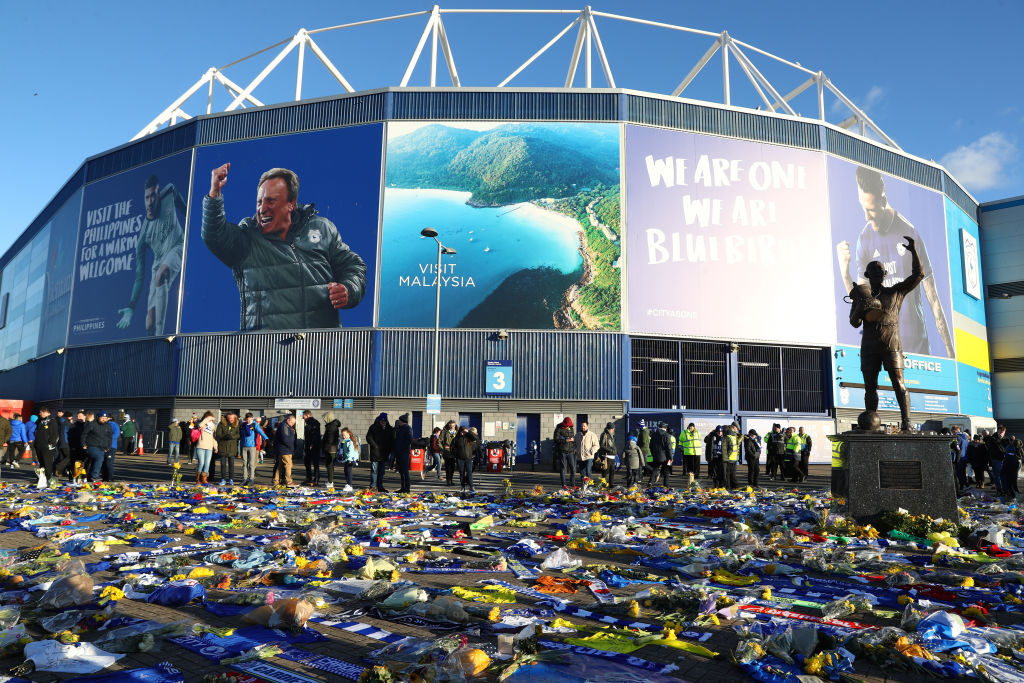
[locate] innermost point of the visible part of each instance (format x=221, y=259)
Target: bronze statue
x=878, y=308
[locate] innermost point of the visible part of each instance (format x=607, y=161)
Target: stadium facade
x=615, y=253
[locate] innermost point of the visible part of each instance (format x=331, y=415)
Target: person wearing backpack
x=434, y=451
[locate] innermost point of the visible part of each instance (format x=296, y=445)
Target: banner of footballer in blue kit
x=871, y=214
x=296, y=251
x=129, y=253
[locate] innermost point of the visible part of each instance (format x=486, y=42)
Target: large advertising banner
x=972, y=352
x=871, y=213
x=130, y=240
x=289, y=238
x=727, y=239
x=932, y=383
x=531, y=210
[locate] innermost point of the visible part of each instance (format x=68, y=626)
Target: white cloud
x=872, y=98
x=981, y=165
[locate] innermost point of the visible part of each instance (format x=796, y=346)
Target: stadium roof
x=732, y=55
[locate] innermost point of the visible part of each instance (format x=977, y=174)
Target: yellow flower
x=766, y=594
x=968, y=582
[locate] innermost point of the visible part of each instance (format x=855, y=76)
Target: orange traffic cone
x=138, y=451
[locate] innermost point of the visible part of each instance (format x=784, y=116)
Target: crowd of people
x=997, y=454
x=651, y=454
x=79, y=446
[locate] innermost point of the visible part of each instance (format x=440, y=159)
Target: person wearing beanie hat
x=752, y=454
x=643, y=442
x=632, y=459
x=775, y=449
x=565, y=441
x=379, y=439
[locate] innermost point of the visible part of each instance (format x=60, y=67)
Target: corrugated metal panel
x=546, y=365
x=36, y=381
x=959, y=197
x=317, y=115
x=883, y=159
x=746, y=125
x=145, y=150
x=324, y=363
x=505, y=105
x=137, y=368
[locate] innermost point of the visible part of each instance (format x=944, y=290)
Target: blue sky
x=942, y=78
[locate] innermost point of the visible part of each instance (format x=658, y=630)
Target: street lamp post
x=441, y=249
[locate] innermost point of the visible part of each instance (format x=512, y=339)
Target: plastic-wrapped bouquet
x=176, y=473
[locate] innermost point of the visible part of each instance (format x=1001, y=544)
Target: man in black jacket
x=284, y=449
x=661, y=454
x=311, y=437
x=380, y=437
x=402, y=451
x=775, y=449
x=47, y=441
x=97, y=439
x=330, y=443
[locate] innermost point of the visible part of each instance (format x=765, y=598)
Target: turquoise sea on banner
x=493, y=244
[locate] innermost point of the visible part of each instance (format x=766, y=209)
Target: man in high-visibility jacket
x=794, y=444
x=805, y=453
x=691, y=440
x=839, y=486
x=732, y=444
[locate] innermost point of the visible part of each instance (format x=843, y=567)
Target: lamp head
x=448, y=250
x=428, y=232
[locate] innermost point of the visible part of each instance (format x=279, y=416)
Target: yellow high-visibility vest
x=837, y=454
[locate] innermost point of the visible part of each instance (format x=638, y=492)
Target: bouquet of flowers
x=176, y=473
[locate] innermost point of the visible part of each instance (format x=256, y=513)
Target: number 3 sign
x=499, y=377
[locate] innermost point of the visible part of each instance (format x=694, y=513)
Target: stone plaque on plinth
x=884, y=472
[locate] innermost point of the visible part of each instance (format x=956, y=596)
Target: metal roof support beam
x=860, y=114
x=233, y=88
x=328, y=64
x=796, y=91
x=820, y=79
x=433, y=52
x=747, y=69
x=266, y=71
x=302, y=60
x=539, y=52
x=577, y=48
x=165, y=115
x=605, y=66
x=726, y=88
x=589, y=40
x=685, y=83
x=446, y=48
x=419, y=47
x=754, y=73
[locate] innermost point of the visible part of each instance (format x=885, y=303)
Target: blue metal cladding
x=36, y=381
x=884, y=160
x=746, y=125
x=959, y=197
x=546, y=365
x=322, y=363
x=294, y=118
x=64, y=194
x=504, y=105
x=156, y=146
x=136, y=368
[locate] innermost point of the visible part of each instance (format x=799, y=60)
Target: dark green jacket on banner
x=283, y=283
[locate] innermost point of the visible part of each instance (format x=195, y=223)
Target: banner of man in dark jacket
x=292, y=269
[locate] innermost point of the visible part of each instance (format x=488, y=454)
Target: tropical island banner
x=532, y=211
